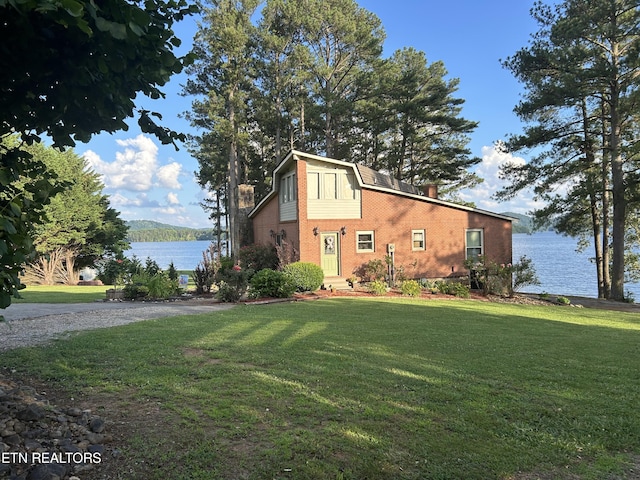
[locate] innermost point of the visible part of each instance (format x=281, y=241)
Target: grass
x=61, y=294
x=364, y=388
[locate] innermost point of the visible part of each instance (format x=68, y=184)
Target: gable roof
x=367, y=178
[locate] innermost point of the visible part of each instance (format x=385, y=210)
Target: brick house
x=341, y=215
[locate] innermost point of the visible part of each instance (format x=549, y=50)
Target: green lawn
x=365, y=388
x=61, y=294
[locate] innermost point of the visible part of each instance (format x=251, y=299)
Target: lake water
x=560, y=268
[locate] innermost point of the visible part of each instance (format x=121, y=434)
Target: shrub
x=457, y=289
x=307, y=277
x=372, y=270
x=236, y=278
x=411, y=288
x=204, y=274
x=228, y=293
x=460, y=290
x=563, y=300
x=524, y=274
x=258, y=257
x=172, y=272
x=271, y=283
x=135, y=291
x=161, y=286
x=377, y=287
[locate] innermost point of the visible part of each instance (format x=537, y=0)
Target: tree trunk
x=606, y=205
x=68, y=267
x=619, y=203
x=234, y=211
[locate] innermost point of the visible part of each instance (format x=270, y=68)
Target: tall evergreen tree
x=582, y=74
x=221, y=75
x=426, y=137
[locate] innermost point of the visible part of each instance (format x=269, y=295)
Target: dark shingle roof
x=373, y=177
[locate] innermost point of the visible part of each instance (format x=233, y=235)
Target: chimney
x=431, y=190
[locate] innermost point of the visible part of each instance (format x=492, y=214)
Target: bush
x=377, y=287
x=205, y=272
x=161, y=286
x=271, y=283
x=460, y=290
x=372, y=270
x=236, y=278
x=524, y=274
x=135, y=291
x=307, y=277
x=411, y=288
x=258, y=257
x=563, y=301
x=228, y=293
x=453, y=288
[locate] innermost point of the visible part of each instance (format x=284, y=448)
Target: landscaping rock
x=39, y=441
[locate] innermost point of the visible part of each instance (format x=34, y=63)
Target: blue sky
x=147, y=180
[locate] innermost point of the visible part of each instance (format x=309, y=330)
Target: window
x=288, y=188
x=364, y=241
x=348, y=186
x=474, y=244
x=313, y=186
x=330, y=188
x=417, y=240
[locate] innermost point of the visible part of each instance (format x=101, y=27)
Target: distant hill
x=150, y=231
x=524, y=224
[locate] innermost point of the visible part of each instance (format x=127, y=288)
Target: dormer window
x=288, y=188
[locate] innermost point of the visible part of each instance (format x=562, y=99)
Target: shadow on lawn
x=366, y=388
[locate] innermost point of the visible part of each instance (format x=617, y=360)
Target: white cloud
x=172, y=199
x=135, y=167
x=141, y=200
x=168, y=210
x=168, y=175
x=492, y=159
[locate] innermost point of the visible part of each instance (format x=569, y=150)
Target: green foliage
x=580, y=73
x=272, y=283
x=271, y=73
x=26, y=187
x=372, y=270
x=172, y=272
x=161, y=286
x=135, y=291
x=232, y=281
x=80, y=69
x=306, y=276
x=150, y=231
x=119, y=50
x=259, y=257
x=377, y=287
x=524, y=274
x=563, y=300
x=204, y=275
x=456, y=289
x=501, y=279
x=411, y=288
x=149, y=282
x=119, y=270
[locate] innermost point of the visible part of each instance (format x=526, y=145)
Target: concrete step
x=338, y=283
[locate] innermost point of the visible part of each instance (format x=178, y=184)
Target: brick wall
x=392, y=218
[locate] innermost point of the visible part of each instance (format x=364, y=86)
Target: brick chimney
x=431, y=190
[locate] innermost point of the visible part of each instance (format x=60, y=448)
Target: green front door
x=330, y=254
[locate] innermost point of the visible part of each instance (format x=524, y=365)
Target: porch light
x=343, y=230
x=316, y=230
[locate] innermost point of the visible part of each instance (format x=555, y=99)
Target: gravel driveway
x=36, y=323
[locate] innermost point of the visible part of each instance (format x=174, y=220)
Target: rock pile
x=39, y=441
